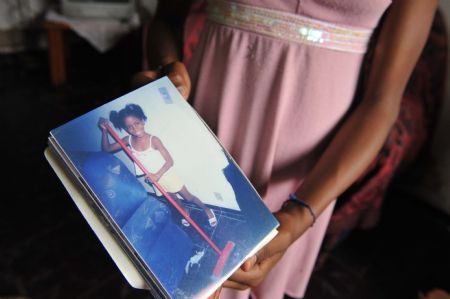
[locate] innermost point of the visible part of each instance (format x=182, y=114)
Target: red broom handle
x=169, y=198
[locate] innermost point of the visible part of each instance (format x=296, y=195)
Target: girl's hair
x=117, y=118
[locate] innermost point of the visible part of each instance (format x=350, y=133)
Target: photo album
x=166, y=200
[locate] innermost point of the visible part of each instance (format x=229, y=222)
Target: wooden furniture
x=56, y=51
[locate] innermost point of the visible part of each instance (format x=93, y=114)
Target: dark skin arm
x=106, y=145
x=164, y=44
x=159, y=146
x=360, y=137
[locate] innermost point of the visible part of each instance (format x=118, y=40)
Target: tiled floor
x=48, y=251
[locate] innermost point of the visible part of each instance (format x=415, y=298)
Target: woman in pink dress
x=275, y=80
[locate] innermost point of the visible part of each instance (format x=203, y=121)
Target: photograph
x=172, y=193
x=225, y=149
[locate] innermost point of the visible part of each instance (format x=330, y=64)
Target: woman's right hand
x=177, y=73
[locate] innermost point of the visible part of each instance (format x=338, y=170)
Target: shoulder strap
x=151, y=140
x=129, y=143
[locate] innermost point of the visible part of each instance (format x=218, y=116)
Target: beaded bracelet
x=294, y=198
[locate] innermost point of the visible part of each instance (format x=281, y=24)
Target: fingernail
x=180, y=89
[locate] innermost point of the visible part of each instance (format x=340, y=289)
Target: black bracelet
x=294, y=198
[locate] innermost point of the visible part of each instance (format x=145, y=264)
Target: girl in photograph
x=153, y=155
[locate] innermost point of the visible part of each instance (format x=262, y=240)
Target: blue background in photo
x=145, y=221
x=154, y=229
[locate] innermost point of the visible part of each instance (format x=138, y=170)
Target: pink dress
x=273, y=102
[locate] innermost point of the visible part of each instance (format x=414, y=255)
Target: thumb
x=264, y=253
x=144, y=77
x=274, y=249
x=249, y=263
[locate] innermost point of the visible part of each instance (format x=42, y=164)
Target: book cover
x=172, y=198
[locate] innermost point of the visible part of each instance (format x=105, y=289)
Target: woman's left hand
x=255, y=269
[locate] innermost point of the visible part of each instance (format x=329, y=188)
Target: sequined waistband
x=289, y=26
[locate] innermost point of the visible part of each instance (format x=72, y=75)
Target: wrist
x=294, y=220
x=300, y=208
x=293, y=198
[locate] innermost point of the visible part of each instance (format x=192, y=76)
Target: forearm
x=361, y=136
x=164, y=169
x=106, y=146
x=165, y=33
x=162, y=44
x=158, y=145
